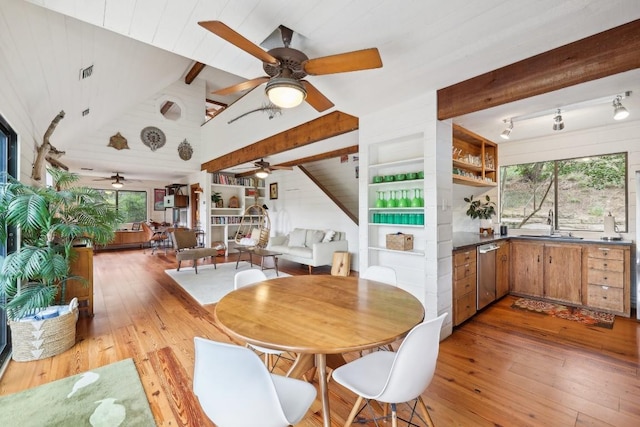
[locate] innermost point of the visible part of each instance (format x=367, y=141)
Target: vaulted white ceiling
x=141, y=47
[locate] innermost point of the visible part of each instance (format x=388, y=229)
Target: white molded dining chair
x=235, y=389
x=395, y=377
x=246, y=278
x=382, y=274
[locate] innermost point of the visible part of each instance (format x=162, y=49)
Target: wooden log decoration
x=44, y=149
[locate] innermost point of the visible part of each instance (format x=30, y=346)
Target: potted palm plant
x=50, y=221
x=482, y=210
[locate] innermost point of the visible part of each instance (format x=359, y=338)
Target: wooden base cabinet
x=527, y=272
x=503, y=260
x=464, y=285
x=607, y=278
x=563, y=272
x=83, y=267
x=547, y=270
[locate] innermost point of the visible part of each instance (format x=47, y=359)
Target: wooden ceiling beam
x=193, y=72
x=330, y=125
x=166, y=107
x=604, y=54
x=328, y=155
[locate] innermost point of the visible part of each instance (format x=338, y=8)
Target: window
x=8, y=165
x=574, y=194
x=132, y=205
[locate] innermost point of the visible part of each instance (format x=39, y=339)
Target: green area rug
x=109, y=396
x=581, y=315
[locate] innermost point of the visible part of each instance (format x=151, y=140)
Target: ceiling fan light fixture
x=285, y=92
x=558, y=123
x=619, y=112
x=116, y=184
x=262, y=174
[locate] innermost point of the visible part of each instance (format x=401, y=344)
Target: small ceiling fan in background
x=286, y=68
x=263, y=168
x=117, y=180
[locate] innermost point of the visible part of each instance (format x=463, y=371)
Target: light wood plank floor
x=505, y=367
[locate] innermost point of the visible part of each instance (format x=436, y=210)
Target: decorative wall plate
x=153, y=137
x=185, y=151
x=118, y=142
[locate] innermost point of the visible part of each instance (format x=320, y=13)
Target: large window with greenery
x=572, y=194
x=132, y=205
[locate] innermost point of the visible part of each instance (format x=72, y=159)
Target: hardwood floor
x=504, y=367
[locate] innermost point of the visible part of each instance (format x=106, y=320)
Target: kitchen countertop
x=463, y=240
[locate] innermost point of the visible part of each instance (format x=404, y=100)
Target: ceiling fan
x=118, y=180
x=286, y=68
x=264, y=168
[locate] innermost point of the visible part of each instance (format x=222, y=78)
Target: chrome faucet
x=550, y=221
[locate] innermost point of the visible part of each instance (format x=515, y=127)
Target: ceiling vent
x=86, y=72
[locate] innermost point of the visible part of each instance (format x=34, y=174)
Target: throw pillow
x=255, y=234
x=328, y=236
x=297, y=237
x=313, y=236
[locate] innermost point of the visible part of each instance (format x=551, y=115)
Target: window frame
x=555, y=163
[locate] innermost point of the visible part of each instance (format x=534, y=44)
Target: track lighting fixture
x=619, y=112
x=558, y=124
x=505, y=133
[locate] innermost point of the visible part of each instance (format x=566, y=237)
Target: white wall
x=428, y=277
x=301, y=204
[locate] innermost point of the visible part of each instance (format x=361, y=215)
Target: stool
x=341, y=264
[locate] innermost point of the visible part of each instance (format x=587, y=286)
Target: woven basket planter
x=39, y=339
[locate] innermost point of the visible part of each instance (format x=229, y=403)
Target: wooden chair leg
x=354, y=412
x=425, y=412
x=394, y=415
x=179, y=262
x=310, y=269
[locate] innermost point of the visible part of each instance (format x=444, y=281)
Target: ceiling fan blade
x=365, y=59
x=286, y=168
x=249, y=84
x=223, y=31
x=315, y=98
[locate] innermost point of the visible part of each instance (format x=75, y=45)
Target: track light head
x=619, y=112
x=505, y=133
x=558, y=124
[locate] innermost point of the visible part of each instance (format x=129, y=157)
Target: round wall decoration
x=185, y=151
x=153, y=137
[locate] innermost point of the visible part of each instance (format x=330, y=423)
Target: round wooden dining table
x=319, y=317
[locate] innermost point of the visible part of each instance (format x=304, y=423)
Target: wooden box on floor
x=341, y=265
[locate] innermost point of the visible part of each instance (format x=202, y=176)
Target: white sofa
x=309, y=247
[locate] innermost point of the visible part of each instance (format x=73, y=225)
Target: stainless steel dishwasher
x=486, y=291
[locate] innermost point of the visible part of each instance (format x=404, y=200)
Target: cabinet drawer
x=464, y=307
x=464, y=257
x=606, y=253
x=605, y=264
x=465, y=270
x=463, y=286
x=605, y=297
x=608, y=278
